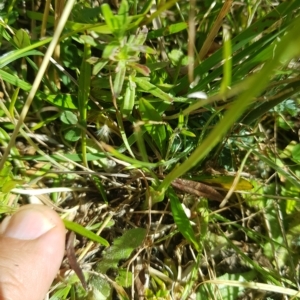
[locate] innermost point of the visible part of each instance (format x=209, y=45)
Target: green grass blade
x=227, y=67
x=119, y=79
x=148, y=87
x=123, y=133
x=85, y=232
x=249, y=34
x=181, y=220
x=129, y=98
x=83, y=96
x=108, y=17
x=285, y=50
x=16, y=54
x=153, y=124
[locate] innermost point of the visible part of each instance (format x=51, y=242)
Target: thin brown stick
x=197, y=188
x=214, y=30
x=73, y=261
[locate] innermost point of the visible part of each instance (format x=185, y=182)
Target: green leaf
x=123, y=10
x=176, y=56
x=121, y=249
x=181, y=220
x=72, y=157
x=148, y=87
x=108, y=17
x=110, y=49
x=69, y=118
x=225, y=181
x=153, y=124
x=21, y=38
x=117, y=23
x=134, y=162
x=124, y=278
x=187, y=133
x=83, y=97
x=72, y=134
x=173, y=28
x=64, y=101
x=85, y=233
x=227, y=67
x=119, y=79
x=142, y=69
x=128, y=102
x=9, y=185
x=11, y=56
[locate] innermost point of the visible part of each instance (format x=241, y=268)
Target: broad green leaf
x=99, y=66
x=181, y=220
x=5, y=172
x=124, y=278
x=72, y=134
x=296, y=153
x=9, y=185
x=21, y=39
x=69, y=118
x=291, y=150
x=121, y=249
x=101, y=289
x=85, y=233
x=176, y=56
x=64, y=101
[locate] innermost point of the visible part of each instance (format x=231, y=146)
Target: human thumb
x=31, y=250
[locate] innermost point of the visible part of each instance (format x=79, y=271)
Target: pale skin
x=32, y=245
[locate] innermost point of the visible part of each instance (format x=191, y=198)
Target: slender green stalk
x=83, y=97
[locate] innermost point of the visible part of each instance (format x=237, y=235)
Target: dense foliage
x=166, y=134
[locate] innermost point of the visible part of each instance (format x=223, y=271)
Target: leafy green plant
x=177, y=117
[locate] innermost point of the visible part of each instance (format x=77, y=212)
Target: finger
x=31, y=250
